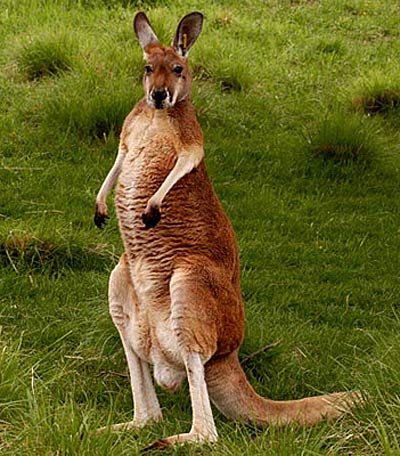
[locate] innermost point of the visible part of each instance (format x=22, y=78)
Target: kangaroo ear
x=189, y=29
x=143, y=30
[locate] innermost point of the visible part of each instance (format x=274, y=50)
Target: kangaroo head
x=167, y=79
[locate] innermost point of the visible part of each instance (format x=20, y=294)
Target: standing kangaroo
x=175, y=294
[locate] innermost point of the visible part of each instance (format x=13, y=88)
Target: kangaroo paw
x=100, y=220
x=100, y=215
x=151, y=216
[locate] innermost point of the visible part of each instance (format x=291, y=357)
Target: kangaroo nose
x=159, y=96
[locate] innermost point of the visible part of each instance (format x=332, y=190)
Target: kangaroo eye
x=178, y=69
x=148, y=69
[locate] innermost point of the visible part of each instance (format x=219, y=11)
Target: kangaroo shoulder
x=137, y=112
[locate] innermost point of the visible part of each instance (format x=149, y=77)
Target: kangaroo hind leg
x=122, y=302
x=192, y=322
x=203, y=428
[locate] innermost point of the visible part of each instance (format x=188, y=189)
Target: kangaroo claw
x=100, y=220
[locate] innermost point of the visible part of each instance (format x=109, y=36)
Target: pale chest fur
x=151, y=153
x=153, y=143
x=152, y=146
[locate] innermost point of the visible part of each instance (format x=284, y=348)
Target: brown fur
x=176, y=291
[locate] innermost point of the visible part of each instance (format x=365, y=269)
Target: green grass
x=44, y=56
x=306, y=169
x=379, y=94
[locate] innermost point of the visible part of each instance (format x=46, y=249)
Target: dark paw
x=100, y=220
x=158, y=445
x=151, y=217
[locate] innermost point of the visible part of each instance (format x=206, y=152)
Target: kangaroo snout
x=159, y=97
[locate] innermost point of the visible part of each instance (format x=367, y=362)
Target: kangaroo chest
x=150, y=157
x=151, y=154
x=151, y=151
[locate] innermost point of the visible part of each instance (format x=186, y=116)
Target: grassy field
x=300, y=106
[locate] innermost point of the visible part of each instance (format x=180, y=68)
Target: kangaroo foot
x=128, y=426
x=180, y=439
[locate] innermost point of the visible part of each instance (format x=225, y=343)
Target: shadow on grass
x=26, y=251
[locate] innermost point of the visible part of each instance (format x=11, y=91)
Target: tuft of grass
x=331, y=47
x=378, y=96
x=222, y=65
x=45, y=55
x=226, y=75
x=344, y=139
x=99, y=113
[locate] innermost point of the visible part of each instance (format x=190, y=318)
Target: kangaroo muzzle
x=160, y=98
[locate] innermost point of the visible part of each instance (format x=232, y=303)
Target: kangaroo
x=175, y=295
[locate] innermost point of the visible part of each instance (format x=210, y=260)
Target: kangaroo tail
x=233, y=396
